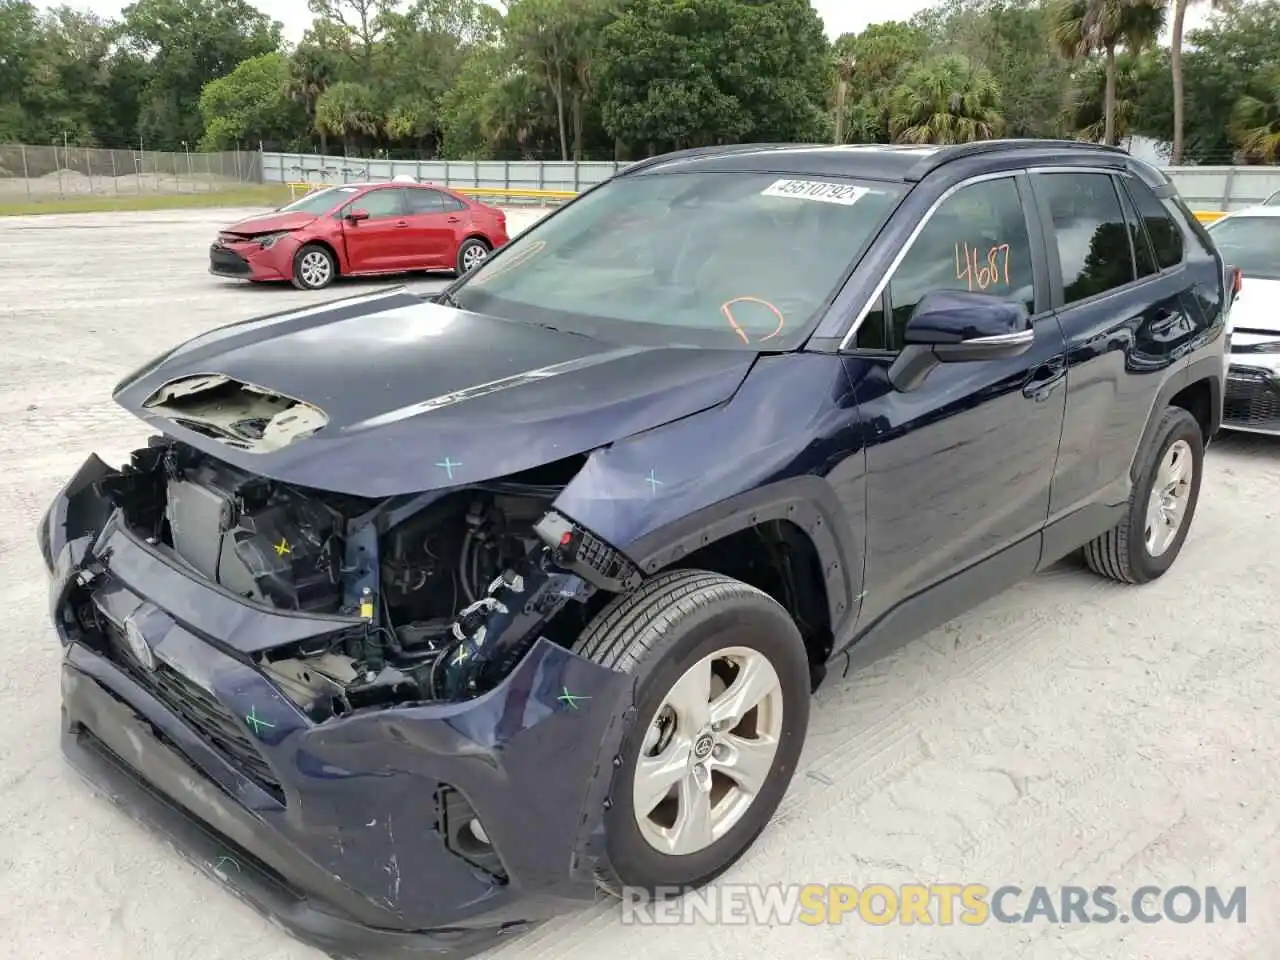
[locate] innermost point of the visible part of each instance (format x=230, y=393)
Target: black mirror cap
x=948, y=317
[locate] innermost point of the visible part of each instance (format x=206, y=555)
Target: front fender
x=786, y=447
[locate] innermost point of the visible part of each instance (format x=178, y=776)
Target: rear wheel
x=471, y=254
x=722, y=711
x=1163, y=502
x=314, y=267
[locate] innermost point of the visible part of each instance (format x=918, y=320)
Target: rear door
x=1121, y=286
x=434, y=220
x=382, y=242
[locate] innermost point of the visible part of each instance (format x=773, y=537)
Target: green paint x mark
x=256, y=722
x=570, y=699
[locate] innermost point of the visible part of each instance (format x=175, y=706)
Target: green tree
x=1011, y=38
x=1176, y=73
x=681, y=73
x=349, y=110
x=312, y=69
x=1255, y=119
x=250, y=104
x=948, y=99
x=187, y=43
x=1085, y=27
x=878, y=56
x=1084, y=113
x=557, y=41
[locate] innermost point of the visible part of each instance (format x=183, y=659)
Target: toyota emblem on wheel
x=138, y=645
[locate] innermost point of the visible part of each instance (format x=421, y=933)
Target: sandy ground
x=1072, y=732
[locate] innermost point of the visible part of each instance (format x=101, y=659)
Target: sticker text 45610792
x=823, y=190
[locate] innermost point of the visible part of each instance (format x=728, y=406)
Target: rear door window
x=1143, y=255
x=1088, y=226
x=1164, y=233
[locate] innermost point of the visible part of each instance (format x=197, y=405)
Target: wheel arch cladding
x=665, y=495
x=1197, y=388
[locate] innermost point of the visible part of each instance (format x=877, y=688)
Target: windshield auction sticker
x=842, y=193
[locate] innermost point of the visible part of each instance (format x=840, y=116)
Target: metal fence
x=51, y=172
x=1225, y=188
x=515, y=175
x=1204, y=188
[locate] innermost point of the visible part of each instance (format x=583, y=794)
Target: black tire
x=1121, y=554
x=471, y=243
x=301, y=279
x=657, y=633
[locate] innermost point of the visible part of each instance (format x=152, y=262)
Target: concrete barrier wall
x=1208, y=189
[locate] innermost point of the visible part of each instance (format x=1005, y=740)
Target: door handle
x=402, y=223
x=1045, y=380
x=454, y=220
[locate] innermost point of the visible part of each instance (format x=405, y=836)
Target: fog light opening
x=477, y=834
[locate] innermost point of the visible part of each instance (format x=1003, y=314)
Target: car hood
x=269, y=223
x=389, y=394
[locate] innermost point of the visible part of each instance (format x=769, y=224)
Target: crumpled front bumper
x=250, y=261
x=342, y=831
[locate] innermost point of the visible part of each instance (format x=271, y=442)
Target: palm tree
x=1255, y=120
x=347, y=110
x=948, y=99
x=1084, y=27
x=844, y=73
x=1175, y=68
x=309, y=77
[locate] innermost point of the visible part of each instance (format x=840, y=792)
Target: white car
x=1249, y=241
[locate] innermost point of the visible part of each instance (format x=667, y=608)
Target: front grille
x=200, y=711
x=1252, y=399
x=223, y=260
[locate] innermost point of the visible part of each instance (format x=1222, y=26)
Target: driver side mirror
x=956, y=326
x=355, y=216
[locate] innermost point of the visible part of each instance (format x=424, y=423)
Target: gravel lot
x=1071, y=732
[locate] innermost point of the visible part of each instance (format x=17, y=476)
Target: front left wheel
x=314, y=267
x=723, y=690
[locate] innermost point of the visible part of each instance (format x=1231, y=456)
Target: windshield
x=687, y=259
x=1250, y=243
x=321, y=201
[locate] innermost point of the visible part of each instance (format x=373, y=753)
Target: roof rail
x=977, y=148
x=694, y=152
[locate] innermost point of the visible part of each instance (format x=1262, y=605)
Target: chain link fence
x=57, y=171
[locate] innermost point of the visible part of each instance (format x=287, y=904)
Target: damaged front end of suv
x=354, y=703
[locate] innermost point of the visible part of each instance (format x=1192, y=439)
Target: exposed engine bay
x=410, y=581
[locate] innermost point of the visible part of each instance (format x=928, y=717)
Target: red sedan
x=360, y=230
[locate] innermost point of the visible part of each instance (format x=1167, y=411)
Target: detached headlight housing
x=270, y=239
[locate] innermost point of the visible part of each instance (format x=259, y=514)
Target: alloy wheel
x=314, y=268
x=1170, y=495
x=708, y=751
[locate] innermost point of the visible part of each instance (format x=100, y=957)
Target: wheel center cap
x=703, y=746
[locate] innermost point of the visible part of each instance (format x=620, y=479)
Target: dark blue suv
x=420, y=620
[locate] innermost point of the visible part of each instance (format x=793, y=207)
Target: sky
x=840, y=16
